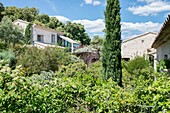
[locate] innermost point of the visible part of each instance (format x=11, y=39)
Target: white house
x=138, y=46
x=22, y=24
x=43, y=36
x=162, y=42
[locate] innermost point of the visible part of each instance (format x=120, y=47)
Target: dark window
x=142, y=41
x=52, y=38
x=165, y=57
x=40, y=38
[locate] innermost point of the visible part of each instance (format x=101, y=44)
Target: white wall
x=135, y=47
x=22, y=25
x=46, y=34
x=162, y=50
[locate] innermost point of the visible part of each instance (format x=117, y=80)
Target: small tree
x=27, y=38
x=111, y=58
x=10, y=33
x=97, y=40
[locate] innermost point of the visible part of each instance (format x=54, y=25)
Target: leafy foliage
x=43, y=18
x=36, y=60
x=27, y=14
x=111, y=54
x=77, y=32
x=10, y=33
x=137, y=64
x=81, y=93
x=97, y=41
x=8, y=57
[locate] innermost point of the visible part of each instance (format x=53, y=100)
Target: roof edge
x=155, y=43
x=129, y=39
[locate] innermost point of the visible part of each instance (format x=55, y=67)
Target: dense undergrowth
x=69, y=86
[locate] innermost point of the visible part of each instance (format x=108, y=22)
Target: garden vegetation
x=52, y=80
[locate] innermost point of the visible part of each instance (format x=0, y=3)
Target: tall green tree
x=29, y=14
x=54, y=23
x=27, y=39
x=1, y=11
x=111, y=57
x=76, y=31
x=43, y=18
x=97, y=40
x=10, y=33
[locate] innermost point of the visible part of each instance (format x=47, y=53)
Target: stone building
x=162, y=42
x=138, y=46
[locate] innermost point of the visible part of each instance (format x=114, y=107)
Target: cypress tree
x=27, y=39
x=111, y=54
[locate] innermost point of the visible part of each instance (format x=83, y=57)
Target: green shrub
x=136, y=65
x=2, y=46
x=36, y=60
x=80, y=93
x=9, y=57
x=73, y=59
x=74, y=69
x=161, y=65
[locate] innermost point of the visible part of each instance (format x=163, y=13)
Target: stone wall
x=163, y=50
x=22, y=25
x=137, y=46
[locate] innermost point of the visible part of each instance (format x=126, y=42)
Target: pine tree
x=111, y=54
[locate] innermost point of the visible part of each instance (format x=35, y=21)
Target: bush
x=80, y=93
x=9, y=57
x=35, y=60
x=136, y=65
x=2, y=46
x=73, y=69
x=73, y=59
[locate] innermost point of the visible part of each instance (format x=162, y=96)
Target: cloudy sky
x=138, y=16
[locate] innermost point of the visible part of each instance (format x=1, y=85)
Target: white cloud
x=92, y=26
x=152, y=7
x=91, y=2
x=130, y=29
x=95, y=3
x=62, y=18
x=88, y=1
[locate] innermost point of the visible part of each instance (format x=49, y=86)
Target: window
x=142, y=41
x=40, y=38
x=52, y=38
x=165, y=57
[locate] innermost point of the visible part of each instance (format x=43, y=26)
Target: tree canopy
x=97, y=40
x=76, y=31
x=10, y=33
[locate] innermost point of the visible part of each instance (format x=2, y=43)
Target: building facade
x=43, y=36
x=138, y=46
x=162, y=42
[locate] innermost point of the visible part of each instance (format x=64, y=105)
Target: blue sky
x=138, y=16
